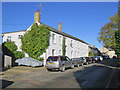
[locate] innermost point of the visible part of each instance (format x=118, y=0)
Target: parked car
x=114, y=57
x=93, y=59
x=28, y=61
x=58, y=63
x=77, y=62
x=98, y=58
x=106, y=57
x=86, y=60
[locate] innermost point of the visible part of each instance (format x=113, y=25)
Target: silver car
x=28, y=61
x=58, y=63
x=77, y=62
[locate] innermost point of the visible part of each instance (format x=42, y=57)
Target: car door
x=69, y=62
x=64, y=61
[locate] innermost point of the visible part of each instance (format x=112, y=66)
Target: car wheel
x=19, y=64
x=72, y=66
x=86, y=63
x=48, y=69
x=63, y=68
x=78, y=65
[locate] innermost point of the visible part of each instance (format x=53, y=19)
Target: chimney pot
x=37, y=16
x=60, y=27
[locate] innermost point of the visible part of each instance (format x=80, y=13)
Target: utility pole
x=41, y=8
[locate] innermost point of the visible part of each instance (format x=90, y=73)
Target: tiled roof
x=65, y=34
x=56, y=31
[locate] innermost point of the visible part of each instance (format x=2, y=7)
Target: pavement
x=104, y=74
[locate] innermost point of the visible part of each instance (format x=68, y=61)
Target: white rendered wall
x=14, y=37
x=81, y=49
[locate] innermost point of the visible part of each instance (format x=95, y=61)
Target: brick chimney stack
x=37, y=16
x=60, y=27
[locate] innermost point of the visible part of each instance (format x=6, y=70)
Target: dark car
x=77, y=62
x=114, y=57
x=106, y=57
x=59, y=63
x=86, y=60
x=92, y=59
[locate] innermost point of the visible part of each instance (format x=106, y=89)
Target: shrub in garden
x=36, y=41
x=18, y=54
x=8, y=48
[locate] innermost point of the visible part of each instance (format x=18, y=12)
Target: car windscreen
x=52, y=58
x=74, y=59
x=82, y=58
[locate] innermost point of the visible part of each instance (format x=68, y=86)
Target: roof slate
x=56, y=31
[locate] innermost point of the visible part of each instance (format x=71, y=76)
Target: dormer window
x=9, y=38
x=19, y=36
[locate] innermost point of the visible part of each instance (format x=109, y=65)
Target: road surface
x=97, y=75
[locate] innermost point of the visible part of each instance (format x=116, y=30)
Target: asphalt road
x=97, y=75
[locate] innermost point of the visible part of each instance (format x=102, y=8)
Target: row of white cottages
x=74, y=47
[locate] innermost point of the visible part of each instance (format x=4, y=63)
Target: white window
x=66, y=41
x=60, y=52
x=71, y=44
x=53, y=38
x=9, y=38
x=53, y=52
x=75, y=54
x=60, y=40
x=78, y=45
x=71, y=54
x=75, y=44
x=78, y=54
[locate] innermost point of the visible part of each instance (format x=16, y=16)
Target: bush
x=8, y=48
x=36, y=41
x=91, y=54
x=18, y=54
x=41, y=59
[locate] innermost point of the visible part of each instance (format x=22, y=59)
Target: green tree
x=107, y=32
x=18, y=54
x=117, y=36
x=36, y=41
x=91, y=54
x=8, y=48
x=63, y=47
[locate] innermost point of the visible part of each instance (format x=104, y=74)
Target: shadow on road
x=6, y=83
x=98, y=75
x=109, y=62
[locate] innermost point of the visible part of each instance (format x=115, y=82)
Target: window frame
x=53, y=38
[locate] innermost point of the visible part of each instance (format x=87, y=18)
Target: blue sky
x=80, y=19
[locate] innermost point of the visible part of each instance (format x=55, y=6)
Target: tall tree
x=107, y=32
x=117, y=36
